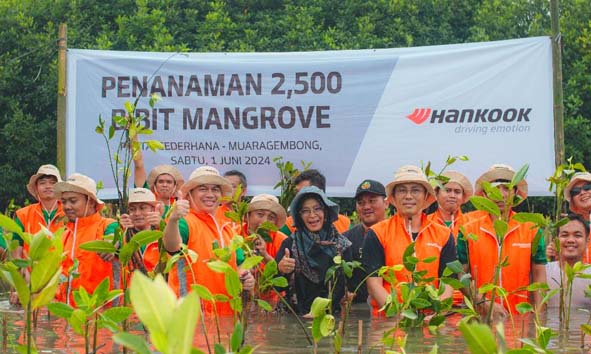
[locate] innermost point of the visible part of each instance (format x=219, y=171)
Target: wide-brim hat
x=79, y=183
x=44, y=170
x=576, y=178
x=142, y=195
x=165, y=169
x=501, y=172
x=411, y=174
x=333, y=208
x=463, y=181
x=207, y=175
x=271, y=203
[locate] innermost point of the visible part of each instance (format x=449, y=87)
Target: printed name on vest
x=522, y=244
x=433, y=244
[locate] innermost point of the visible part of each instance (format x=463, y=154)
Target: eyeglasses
x=414, y=191
x=316, y=211
x=577, y=190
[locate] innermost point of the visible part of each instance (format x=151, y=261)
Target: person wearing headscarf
x=306, y=257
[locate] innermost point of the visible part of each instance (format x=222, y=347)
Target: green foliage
x=287, y=173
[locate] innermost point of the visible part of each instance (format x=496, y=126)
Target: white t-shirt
x=579, y=285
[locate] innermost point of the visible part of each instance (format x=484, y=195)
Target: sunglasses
x=577, y=190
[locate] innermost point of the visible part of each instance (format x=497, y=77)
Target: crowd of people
x=312, y=232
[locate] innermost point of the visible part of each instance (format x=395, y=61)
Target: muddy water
x=281, y=334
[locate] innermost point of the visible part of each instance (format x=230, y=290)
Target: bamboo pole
x=62, y=44
x=359, y=336
x=557, y=84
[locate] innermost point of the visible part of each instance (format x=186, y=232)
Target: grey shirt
x=579, y=285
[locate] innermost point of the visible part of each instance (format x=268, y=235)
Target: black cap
x=370, y=186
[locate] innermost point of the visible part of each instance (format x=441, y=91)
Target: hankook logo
x=480, y=115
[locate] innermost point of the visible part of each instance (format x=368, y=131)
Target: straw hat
x=206, y=175
x=333, y=208
x=165, y=169
x=79, y=183
x=142, y=195
x=271, y=203
x=577, y=177
x=411, y=174
x=501, y=172
x=44, y=170
x=463, y=181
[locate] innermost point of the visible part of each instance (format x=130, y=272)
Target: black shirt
x=356, y=235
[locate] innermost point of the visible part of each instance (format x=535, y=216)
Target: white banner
x=353, y=114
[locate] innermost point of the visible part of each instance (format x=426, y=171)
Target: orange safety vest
x=459, y=219
x=32, y=219
x=91, y=268
x=483, y=257
x=203, y=231
x=393, y=235
x=151, y=256
x=342, y=224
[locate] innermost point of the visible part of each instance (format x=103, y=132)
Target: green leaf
x=236, y=339
x=60, y=309
x=519, y=175
x=77, y=321
x=270, y=269
x=501, y=228
x=430, y=259
x=202, y=291
x=479, y=338
x=233, y=285
x=251, y=262
x=316, y=334
x=98, y=246
x=482, y=203
x=319, y=306
x=586, y=328
x=182, y=328
x=264, y=305
x=219, y=349
x=145, y=237
x=153, y=301
x=456, y=267
x=536, y=218
x=410, y=314
x=327, y=325
x=126, y=252
x=420, y=303
x=133, y=342
x=524, y=307
x=219, y=266
x=13, y=277
x=39, y=246
x=47, y=293
x=44, y=270
x=117, y=314
x=280, y=282
x=7, y=224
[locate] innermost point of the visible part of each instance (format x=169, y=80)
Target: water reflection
x=280, y=334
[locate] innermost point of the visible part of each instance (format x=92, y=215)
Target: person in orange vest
x=578, y=195
x=306, y=256
x=197, y=204
x=314, y=178
x=450, y=197
x=236, y=178
x=143, y=214
x=164, y=181
x=371, y=205
x=480, y=255
x=266, y=208
x=410, y=193
x=46, y=213
x=82, y=208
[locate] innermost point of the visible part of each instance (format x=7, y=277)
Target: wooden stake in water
x=4, y=333
x=359, y=336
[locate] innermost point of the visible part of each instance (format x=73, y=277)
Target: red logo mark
x=419, y=115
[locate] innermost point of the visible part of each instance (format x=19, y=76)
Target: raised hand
x=287, y=264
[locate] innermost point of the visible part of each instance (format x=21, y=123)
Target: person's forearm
x=377, y=291
x=172, y=237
